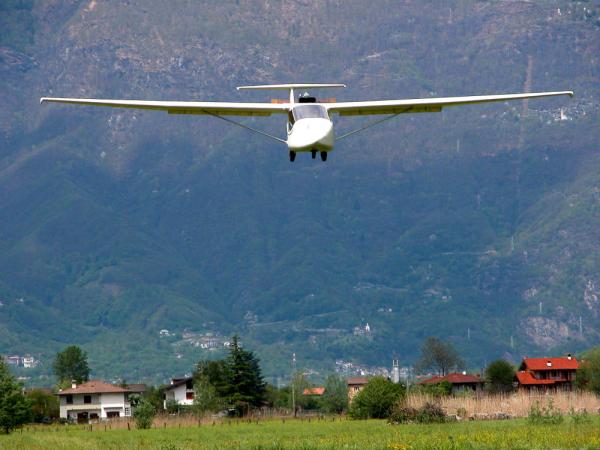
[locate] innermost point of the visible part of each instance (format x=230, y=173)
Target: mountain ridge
x=118, y=224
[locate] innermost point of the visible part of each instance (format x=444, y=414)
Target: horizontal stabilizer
x=292, y=86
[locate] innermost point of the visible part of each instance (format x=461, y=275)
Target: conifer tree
x=15, y=408
x=246, y=385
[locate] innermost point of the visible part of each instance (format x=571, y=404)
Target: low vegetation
x=515, y=405
x=376, y=399
x=428, y=413
x=327, y=433
x=144, y=413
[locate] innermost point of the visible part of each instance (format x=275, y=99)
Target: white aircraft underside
x=310, y=128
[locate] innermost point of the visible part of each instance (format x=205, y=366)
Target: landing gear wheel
x=313, y=153
x=292, y=156
x=323, y=156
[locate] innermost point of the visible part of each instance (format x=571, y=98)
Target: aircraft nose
x=308, y=134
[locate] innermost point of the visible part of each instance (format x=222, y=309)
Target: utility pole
x=580, y=327
x=294, y=383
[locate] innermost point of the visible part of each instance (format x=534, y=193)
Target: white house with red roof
x=544, y=373
x=94, y=400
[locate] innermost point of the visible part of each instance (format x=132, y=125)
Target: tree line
x=235, y=385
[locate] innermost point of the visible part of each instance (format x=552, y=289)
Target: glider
x=309, y=126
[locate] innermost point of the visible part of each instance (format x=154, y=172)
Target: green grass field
x=371, y=434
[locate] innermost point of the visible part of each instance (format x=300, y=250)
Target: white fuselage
x=307, y=135
x=310, y=129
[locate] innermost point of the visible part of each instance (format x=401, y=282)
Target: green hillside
x=478, y=224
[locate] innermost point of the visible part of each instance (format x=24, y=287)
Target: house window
x=87, y=399
x=112, y=414
x=69, y=399
x=189, y=384
x=189, y=396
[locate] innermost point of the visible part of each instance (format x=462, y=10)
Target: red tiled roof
x=454, y=378
x=314, y=391
x=527, y=378
x=564, y=363
x=93, y=387
x=357, y=380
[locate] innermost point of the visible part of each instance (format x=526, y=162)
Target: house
x=355, y=385
x=181, y=391
x=136, y=388
x=14, y=361
x=29, y=362
x=545, y=373
x=94, y=400
x=460, y=382
x=314, y=391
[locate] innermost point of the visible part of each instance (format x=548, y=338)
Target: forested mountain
x=478, y=225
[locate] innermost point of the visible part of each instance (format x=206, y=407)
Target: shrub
x=402, y=413
x=431, y=413
x=376, y=399
x=44, y=405
x=172, y=406
x=144, y=414
x=579, y=417
x=544, y=415
x=428, y=413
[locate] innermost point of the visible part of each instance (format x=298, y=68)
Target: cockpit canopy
x=308, y=111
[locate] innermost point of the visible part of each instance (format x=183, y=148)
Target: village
x=97, y=400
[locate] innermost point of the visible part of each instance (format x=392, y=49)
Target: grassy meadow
x=316, y=434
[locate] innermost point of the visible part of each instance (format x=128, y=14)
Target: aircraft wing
x=175, y=107
x=425, y=104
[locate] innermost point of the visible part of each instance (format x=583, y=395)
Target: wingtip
x=571, y=93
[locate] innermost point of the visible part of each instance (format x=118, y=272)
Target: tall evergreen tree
x=71, y=364
x=246, y=385
x=15, y=408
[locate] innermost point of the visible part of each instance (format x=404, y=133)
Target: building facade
x=94, y=400
x=460, y=382
x=547, y=373
x=181, y=391
x=355, y=385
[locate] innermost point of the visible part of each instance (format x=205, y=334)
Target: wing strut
x=369, y=125
x=244, y=126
